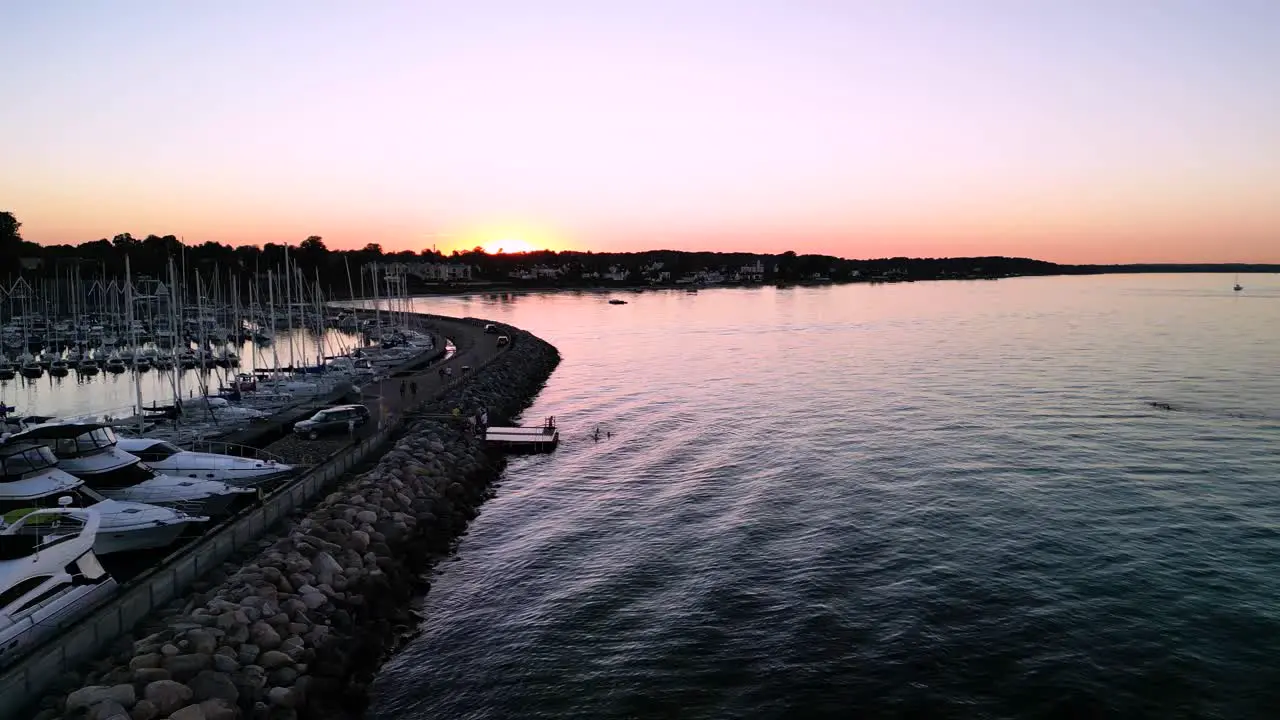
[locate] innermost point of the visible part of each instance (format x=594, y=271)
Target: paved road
x=473, y=349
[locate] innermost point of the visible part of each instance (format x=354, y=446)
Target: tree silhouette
x=10, y=238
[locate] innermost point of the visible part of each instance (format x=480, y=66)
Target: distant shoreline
x=485, y=288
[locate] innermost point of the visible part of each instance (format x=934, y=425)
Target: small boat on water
x=1238, y=287
x=87, y=367
x=616, y=301
x=58, y=368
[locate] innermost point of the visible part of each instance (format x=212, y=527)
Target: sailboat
x=1238, y=287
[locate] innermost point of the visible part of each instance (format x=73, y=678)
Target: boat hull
x=33, y=629
x=140, y=537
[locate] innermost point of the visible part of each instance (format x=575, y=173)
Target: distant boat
x=1238, y=287
x=616, y=301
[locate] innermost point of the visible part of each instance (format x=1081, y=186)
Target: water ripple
x=936, y=500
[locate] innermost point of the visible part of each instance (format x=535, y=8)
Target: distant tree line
x=337, y=269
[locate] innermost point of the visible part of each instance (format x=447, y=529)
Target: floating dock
x=543, y=438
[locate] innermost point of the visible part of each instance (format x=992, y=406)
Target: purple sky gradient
x=1081, y=131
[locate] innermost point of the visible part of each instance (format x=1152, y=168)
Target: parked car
x=332, y=420
x=503, y=340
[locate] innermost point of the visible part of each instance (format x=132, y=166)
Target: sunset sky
x=1072, y=130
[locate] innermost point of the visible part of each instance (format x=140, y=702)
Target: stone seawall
x=299, y=630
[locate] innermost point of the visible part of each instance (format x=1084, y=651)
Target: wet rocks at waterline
x=298, y=630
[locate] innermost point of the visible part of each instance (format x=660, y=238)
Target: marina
x=155, y=506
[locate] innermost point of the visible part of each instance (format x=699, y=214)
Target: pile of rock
x=301, y=628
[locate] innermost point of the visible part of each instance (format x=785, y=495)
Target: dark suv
x=332, y=420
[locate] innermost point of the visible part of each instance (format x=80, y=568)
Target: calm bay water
x=116, y=394
x=929, y=499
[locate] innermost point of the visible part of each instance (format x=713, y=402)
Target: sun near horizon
x=507, y=246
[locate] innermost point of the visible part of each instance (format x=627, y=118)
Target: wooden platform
x=522, y=439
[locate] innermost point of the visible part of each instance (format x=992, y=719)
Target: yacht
x=49, y=575
x=88, y=451
x=58, y=368
x=30, y=478
x=218, y=409
x=115, y=363
x=172, y=460
x=87, y=367
x=7, y=370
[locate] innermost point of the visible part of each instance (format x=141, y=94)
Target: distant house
x=751, y=273
x=432, y=272
x=30, y=263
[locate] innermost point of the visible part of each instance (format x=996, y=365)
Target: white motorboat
x=49, y=575
x=88, y=451
x=30, y=478
x=218, y=409
x=172, y=460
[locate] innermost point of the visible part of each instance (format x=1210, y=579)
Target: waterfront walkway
x=473, y=348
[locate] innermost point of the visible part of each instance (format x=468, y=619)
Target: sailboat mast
x=133, y=338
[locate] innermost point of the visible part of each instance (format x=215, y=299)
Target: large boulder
x=190, y=712
x=167, y=695
x=264, y=636
x=186, y=666
x=211, y=685
x=144, y=710
x=108, y=710
x=219, y=710
x=94, y=694
x=202, y=641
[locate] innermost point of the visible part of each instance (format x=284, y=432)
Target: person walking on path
x=413, y=389
x=401, y=388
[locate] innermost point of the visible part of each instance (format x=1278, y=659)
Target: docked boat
x=218, y=409
x=88, y=451
x=7, y=370
x=30, y=478
x=87, y=367
x=59, y=368
x=49, y=575
x=31, y=368
x=172, y=460
x=115, y=364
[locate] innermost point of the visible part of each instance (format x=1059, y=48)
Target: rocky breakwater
x=299, y=630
